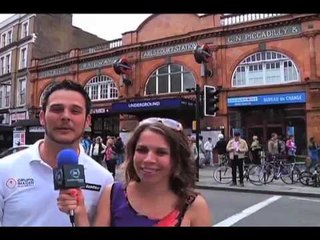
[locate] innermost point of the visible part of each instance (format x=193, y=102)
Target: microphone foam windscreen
x=67, y=157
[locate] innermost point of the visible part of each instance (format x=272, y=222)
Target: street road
x=252, y=209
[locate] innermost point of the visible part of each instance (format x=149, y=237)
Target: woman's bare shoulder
x=199, y=212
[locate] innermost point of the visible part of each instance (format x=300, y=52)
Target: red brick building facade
x=266, y=64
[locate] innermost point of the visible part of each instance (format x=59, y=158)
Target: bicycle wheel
x=290, y=175
x=254, y=175
x=306, y=178
x=223, y=174
x=266, y=173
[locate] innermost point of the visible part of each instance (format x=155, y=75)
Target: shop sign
x=36, y=129
x=147, y=105
x=18, y=116
x=270, y=99
x=99, y=110
x=19, y=137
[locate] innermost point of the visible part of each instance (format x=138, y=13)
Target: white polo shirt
x=27, y=195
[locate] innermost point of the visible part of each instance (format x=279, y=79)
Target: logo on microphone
x=75, y=173
x=59, y=176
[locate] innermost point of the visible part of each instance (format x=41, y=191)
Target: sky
x=106, y=26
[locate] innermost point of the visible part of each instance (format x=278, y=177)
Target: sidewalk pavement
x=277, y=187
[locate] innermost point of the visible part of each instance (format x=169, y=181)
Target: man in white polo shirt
x=27, y=195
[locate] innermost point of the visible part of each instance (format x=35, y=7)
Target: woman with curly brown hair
x=159, y=183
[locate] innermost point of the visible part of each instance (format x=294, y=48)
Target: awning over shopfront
x=26, y=123
x=5, y=128
x=147, y=105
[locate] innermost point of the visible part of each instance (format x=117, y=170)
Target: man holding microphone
x=27, y=194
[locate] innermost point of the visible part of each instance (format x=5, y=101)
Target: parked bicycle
x=276, y=168
x=223, y=173
x=311, y=177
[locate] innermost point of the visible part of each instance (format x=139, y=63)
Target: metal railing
x=102, y=47
x=231, y=19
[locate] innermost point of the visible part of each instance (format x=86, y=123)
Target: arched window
x=265, y=68
x=101, y=88
x=170, y=79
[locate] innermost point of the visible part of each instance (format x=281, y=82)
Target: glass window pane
x=175, y=82
x=163, y=84
x=151, y=86
x=188, y=81
x=175, y=68
x=268, y=55
x=94, y=92
x=163, y=70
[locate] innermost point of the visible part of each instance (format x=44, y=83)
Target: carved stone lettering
x=264, y=34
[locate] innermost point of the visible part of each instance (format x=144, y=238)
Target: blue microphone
x=68, y=174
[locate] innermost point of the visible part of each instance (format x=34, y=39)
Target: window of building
x=2, y=66
x=9, y=35
x=101, y=88
x=265, y=68
x=5, y=89
x=25, y=29
x=6, y=38
x=23, y=57
x=22, y=91
x=7, y=95
x=3, y=40
x=8, y=63
x=171, y=78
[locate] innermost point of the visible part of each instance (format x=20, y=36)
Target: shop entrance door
x=258, y=131
x=274, y=129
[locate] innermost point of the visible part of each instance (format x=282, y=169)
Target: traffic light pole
x=197, y=92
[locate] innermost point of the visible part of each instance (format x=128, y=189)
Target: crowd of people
x=239, y=151
x=109, y=152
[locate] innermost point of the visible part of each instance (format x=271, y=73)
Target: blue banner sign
x=270, y=99
x=160, y=104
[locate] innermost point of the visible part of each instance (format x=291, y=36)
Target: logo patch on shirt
x=25, y=182
x=11, y=183
x=92, y=187
x=20, y=182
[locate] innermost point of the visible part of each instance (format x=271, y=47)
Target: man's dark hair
x=65, y=85
x=236, y=134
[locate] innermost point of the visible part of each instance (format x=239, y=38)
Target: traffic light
x=123, y=68
x=210, y=100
